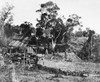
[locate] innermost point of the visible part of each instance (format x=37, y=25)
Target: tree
x=96, y=48
x=86, y=51
x=26, y=29
x=53, y=27
x=6, y=17
x=71, y=22
x=8, y=30
x=48, y=20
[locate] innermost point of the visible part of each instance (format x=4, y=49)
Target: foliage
x=86, y=51
x=8, y=30
x=79, y=33
x=26, y=28
x=52, y=28
x=96, y=48
x=6, y=17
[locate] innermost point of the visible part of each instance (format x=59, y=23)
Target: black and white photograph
x=49, y=41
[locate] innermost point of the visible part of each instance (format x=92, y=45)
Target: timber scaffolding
x=22, y=42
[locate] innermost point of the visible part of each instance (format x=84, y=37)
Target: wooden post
x=66, y=53
x=24, y=60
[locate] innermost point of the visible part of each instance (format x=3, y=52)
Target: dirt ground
x=46, y=77
x=37, y=75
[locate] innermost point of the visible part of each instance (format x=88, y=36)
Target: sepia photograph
x=49, y=41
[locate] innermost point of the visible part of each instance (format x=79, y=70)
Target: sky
x=25, y=10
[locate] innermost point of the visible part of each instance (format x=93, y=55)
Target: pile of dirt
x=73, y=57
